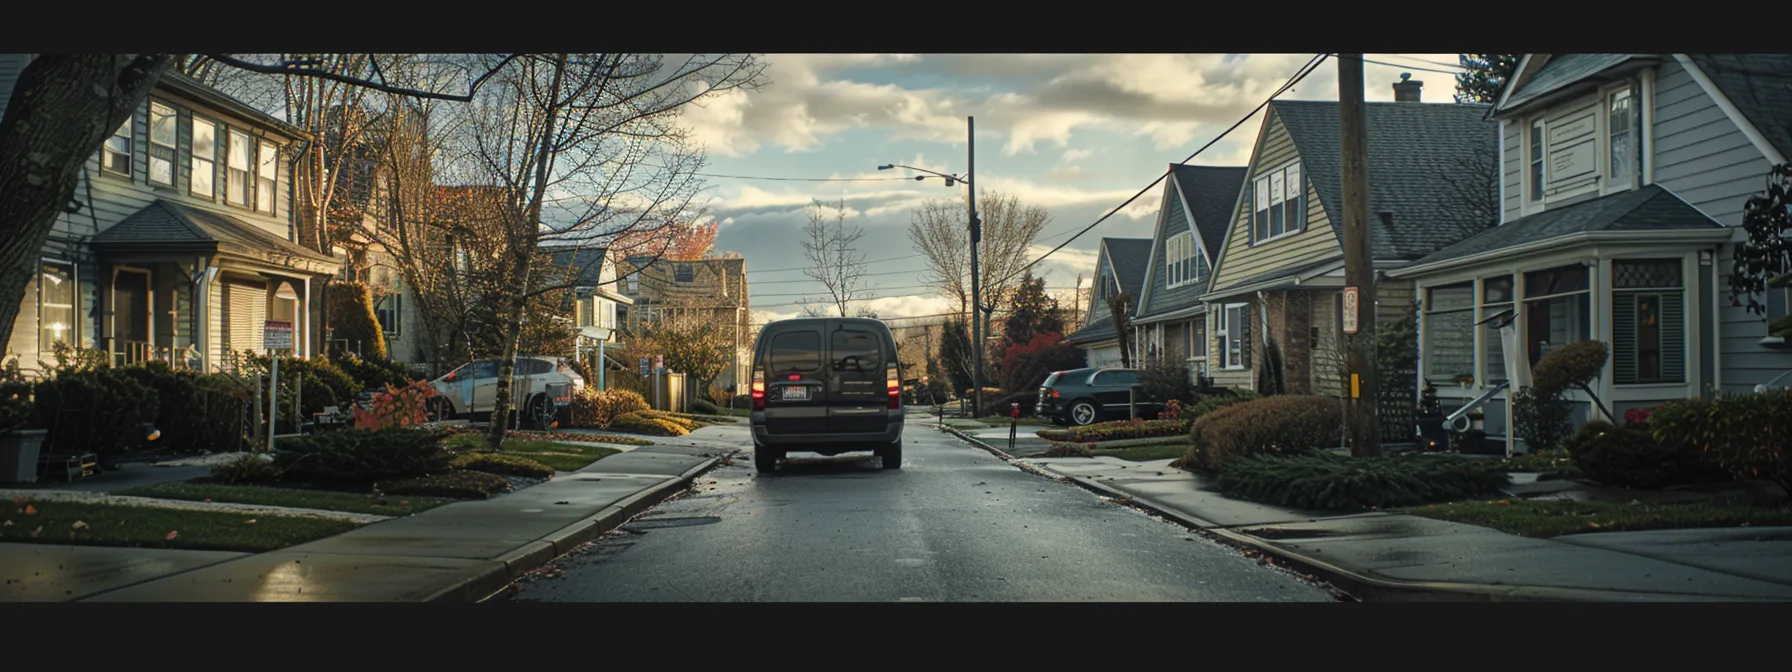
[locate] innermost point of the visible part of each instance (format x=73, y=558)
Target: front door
x=130, y=314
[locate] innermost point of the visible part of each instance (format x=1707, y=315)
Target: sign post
x=275, y=336
x=659, y=366
x=1351, y=310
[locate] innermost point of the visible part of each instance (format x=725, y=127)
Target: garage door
x=245, y=315
x=1104, y=356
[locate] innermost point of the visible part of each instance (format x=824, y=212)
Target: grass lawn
x=90, y=524
x=1156, y=451
x=1550, y=519
x=560, y=456
x=290, y=497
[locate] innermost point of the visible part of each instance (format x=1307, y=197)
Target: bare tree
x=583, y=148
x=834, y=259
x=939, y=231
x=1474, y=184
x=54, y=124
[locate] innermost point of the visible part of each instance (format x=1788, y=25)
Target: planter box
x=19, y=450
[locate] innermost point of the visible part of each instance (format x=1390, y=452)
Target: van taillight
x=893, y=383
x=758, y=390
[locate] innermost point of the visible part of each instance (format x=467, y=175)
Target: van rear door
x=796, y=394
x=859, y=398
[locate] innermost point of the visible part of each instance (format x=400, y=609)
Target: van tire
x=765, y=459
x=892, y=455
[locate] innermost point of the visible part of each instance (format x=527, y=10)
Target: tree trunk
x=62, y=108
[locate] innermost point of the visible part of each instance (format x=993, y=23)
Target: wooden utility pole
x=1359, y=269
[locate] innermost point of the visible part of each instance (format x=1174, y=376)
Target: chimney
x=1406, y=90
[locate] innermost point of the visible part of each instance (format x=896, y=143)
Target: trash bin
x=19, y=450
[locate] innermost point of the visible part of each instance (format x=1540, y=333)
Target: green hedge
x=355, y=456
x=1326, y=481
x=1746, y=434
x=1278, y=424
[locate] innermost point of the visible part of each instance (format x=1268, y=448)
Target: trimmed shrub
x=246, y=469
x=1279, y=424
x=1166, y=383
x=97, y=410
x=1745, y=434
x=351, y=318
x=373, y=374
x=452, y=484
x=1205, y=403
x=1116, y=431
x=597, y=409
x=1632, y=458
x=1569, y=367
x=636, y=423
x=1542, y=421
x=361, y=456
x=1325, y=481
x=195, y=412
x=689, y=424
x=704, y=407
x=505, y=465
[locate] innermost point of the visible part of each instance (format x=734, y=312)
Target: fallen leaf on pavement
x=1505, y=502
x=37, y=531
x=30, y=510
x=21, y=500
x=250, y=521
x=1593, y=524
x=404, y=502
x=208, y=500
x=171, y=535
x=79, y=525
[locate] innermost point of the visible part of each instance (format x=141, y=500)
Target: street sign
x=659, y=362
x=276, y=335
x=644, y=364
x=1351, y=307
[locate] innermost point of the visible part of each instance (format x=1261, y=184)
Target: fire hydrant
x=1013, y=422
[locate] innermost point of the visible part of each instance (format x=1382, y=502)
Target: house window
x=236, y=181
x=390, y=313
x=1196, y=333
x=1496, y=297
x=267, y=175
x=1231, y=331
x=115, y=157
x=1556, y=309
x=1450, y=332
x=684, y=273
x=1278, y=197
x=634, y=284
x=1537, y=176
x=205, y=158
x=56, y=305
x=163, y=131
x=585, y=308
x=1179, y=260
x=1619, y=126
x=1648, y=322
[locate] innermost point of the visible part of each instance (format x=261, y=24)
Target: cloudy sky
x=1075, y=133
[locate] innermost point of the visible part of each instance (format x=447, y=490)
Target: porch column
x=205, y=274
x=302, y=317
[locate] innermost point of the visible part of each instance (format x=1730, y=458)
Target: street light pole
x=970, y=148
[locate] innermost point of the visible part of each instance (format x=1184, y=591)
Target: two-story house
x=1119, y=268
x=593, y=305
x=1623, y=177
x=1281, y=273
x=1171, y=320
x=182, y=249
x=717, y=286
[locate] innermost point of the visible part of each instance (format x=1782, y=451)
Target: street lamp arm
x=888, y=166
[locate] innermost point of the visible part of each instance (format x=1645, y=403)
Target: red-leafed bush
x=1025, y=366
x=397, y=407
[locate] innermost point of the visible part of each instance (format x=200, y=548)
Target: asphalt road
x=955, y=524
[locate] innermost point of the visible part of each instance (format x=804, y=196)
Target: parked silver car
x=541, y=387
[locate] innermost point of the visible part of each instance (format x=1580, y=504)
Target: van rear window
x=857, y=352
x=796, y=352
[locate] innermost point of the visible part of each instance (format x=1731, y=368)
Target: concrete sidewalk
x=461, y=552
x=1381, y=556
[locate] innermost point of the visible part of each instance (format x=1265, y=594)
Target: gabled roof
x=1417, y=154
x=169, y=223
x=1760, y=87
x=1211, y=192
x=1129, y=257
x=1558, y=72
x=1650, y=208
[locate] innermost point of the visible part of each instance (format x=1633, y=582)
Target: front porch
x=1634, y=270
x=200, y=289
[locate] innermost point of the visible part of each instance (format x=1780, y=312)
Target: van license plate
x=796, y=394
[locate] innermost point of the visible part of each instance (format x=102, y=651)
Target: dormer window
x=1619, y=123
x=1537, y=181
x=1179, y=260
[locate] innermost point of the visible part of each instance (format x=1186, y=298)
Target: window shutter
x=1250, y=206
x=1673, y=338
x=1243, y=327
x=1624, y=338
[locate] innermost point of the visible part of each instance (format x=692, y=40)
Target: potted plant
x=21, y=435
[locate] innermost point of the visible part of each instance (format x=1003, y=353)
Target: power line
x=1413, y=67
x=1299, y=75
x=861, y=263
x=807, y=179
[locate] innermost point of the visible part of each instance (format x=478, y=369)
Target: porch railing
x=124, y=352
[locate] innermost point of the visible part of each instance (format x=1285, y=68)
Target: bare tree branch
x=834, y=258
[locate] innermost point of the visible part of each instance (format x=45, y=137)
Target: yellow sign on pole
x=1356, y=386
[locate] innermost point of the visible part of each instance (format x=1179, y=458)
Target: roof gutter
x=1293, y=279
x=1708, y=236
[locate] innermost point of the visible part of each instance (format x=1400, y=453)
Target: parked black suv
x=1086, y=396
x=827, y=386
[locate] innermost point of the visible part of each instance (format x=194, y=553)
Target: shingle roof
x=1563, y=70
x=169, y=222
x=1130, y=258
x=1760, y=86
x=1212, y=191
x=1417, y=153
x=1650, y=208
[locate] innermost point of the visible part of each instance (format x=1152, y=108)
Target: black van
x=826, y=385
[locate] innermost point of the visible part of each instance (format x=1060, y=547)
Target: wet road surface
x=955, y=524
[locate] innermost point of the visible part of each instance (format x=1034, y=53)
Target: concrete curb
x=485, y=583
x=1359, y=586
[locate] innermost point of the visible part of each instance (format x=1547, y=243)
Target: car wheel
x=1083, y=413
x=440, y=410
x=765, y=460
x=541, y=412
x=892, y=455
